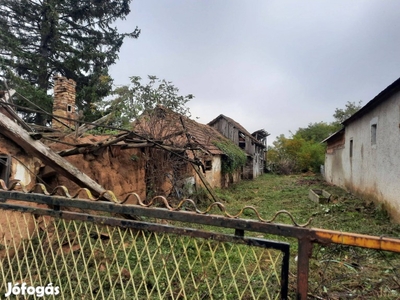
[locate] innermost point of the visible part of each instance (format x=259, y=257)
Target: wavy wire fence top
x=63, y=191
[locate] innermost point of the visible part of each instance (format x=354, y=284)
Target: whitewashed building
x=364, y=157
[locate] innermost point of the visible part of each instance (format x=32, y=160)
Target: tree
x=75, y=38
x=131, y=101
x=304, y=151
x=293, y=155
x=342, y=114
x=316, y=132
x=154, y=110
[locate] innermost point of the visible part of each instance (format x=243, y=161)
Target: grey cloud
x=277, y=65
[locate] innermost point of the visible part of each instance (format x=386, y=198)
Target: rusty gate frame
x=55, y=204
x=306, y=236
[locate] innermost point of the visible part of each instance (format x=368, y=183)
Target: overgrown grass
x=345, y=212
x=89, y=261
x=336, y=271
x=116, y=260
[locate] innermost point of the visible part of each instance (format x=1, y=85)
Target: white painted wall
x=22, y=174
x=20, y=171
x=374, y=170
x=258, y=163
x=213, y=176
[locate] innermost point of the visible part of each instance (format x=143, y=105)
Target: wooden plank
x=36, y=148
x=9, y=112
x=8, y=94
x=85, y=127
x=205, y=182
x=92, y=148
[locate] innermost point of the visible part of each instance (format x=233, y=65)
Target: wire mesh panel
x=83, y=260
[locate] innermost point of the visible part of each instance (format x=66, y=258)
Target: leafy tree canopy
x=316, y=132
x=342, y=114
x=132, y=100
x=292, y=155
x=75, y=38
x=303, y=151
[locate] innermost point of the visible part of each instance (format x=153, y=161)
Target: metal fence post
x=304, y=254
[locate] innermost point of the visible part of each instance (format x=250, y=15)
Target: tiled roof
x=163, y=122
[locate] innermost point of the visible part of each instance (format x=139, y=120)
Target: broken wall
x=212, y=173
x=121, y=171
x=24, y=168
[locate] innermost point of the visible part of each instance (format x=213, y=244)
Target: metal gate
x=79, y=248
x=58, y=247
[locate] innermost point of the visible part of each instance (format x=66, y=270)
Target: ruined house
x=54, y=156
x=14, y=161
x=108, y=160
x=254, y=144
x=167, y=154
x=188, y=155
x=363, y=156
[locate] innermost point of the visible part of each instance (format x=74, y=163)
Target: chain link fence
x=68, y=248
x=91, y=257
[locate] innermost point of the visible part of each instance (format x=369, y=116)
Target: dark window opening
x=351, y=148
x=208, y=165
x=69, y=108
x=242, y=140
x=5, y=168
x=373, y=134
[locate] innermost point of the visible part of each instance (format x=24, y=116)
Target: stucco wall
x=213, y=176
x=121, y=171
x=258, y=162
x=16, y=226
x=23, y=166
x=373, y=170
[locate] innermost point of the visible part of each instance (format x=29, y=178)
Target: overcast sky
x=269, y=64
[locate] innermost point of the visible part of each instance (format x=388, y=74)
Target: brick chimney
x=64, y=102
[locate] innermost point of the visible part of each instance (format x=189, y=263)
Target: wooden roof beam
x=36, y=148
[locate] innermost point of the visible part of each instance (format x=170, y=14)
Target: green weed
x=336, y=271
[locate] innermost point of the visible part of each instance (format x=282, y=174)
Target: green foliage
x=33, y=94
x=134, y=157
x=199, y=194
x=311, y=156
x=102, y=131
x=293, y=155
x=234, y=158
x=131, y=101
x=316, y=132
x=74, y=38
x=342, y=114
x=303, y=151
x=270, y=193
